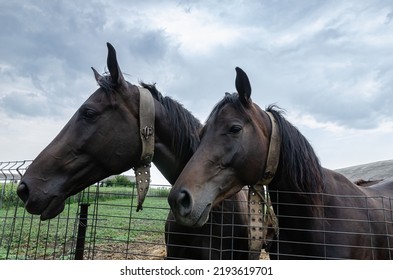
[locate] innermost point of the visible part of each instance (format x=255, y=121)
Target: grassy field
x=114, y=228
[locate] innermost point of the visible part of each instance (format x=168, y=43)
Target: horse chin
x=204, y=217
x=54, y=208
x=195, y=219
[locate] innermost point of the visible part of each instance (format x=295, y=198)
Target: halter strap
x=273, y=156
x=259, y=208
x=146, y=131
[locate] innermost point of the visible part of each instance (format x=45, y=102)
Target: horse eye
x=89, y=115
x=235, y=129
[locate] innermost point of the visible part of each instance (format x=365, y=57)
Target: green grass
x=25, y=237
x=111, y=220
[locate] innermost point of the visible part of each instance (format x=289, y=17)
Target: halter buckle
x=147, y=131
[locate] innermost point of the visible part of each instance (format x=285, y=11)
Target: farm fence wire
x=101, y=222
x=112, y=229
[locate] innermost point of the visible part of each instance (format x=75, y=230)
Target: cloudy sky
x=329, y=64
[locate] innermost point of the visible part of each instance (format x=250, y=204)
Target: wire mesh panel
x=101, y=222
x=117, y=231
x=24, y=236
x=332, y=226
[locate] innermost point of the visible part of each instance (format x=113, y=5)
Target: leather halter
x=259, y=208
x=146, y=132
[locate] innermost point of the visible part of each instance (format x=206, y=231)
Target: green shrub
x=159, y=191
x=8, y=196
x=119, y=180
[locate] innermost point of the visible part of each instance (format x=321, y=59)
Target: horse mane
x=105, y=82
x=298, y=162
x=185, y=126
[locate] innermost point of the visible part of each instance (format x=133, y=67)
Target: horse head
x=232, y=154
x=99, y=140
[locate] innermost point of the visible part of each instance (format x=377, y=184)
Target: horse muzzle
x=45, y=205
x=186, y=211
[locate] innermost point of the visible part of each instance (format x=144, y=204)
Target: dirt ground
x=135, y=251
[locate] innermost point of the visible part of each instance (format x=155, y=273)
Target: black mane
x=298, y=162
x=105, y=82
x=185, y=126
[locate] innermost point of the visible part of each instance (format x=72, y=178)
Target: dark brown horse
x=321, y=214
x=102, y=138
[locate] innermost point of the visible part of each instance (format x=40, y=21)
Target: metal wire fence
x=101, y=222
x=98, y=223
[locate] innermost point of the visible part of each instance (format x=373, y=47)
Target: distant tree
x=119, y=180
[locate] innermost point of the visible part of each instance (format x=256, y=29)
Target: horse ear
x=113, y=66
x=97, y=76
x=243, y=86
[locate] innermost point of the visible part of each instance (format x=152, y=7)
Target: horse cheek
x=251, y=162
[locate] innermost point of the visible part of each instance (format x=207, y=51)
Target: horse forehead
x=230, y=110
x=102, y=94
x=226, y=114
x=101, y=97
x=218, y=121
x=98, y=96
x=235, y=113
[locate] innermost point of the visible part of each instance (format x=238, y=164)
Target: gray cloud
x=152, y=46
x=24, y=104
x=311, y=57
x=327, y=59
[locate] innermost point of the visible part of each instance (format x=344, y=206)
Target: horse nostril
x=23, y=191
x=184, y=202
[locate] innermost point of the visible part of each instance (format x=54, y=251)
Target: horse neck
x=300, y=221
x=170, y=156
x=165, y=161
x=287, y=201
x=300, y=217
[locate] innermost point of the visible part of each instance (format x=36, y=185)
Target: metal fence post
x=80, y=241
